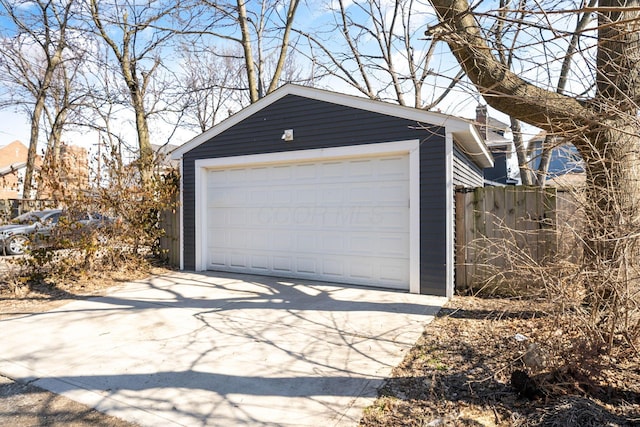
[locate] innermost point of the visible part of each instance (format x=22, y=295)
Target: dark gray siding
x=320, y=124
x=465, y=172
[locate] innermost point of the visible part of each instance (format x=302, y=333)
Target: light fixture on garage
x=287, y=135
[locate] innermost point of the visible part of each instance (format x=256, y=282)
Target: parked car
x=35, y=229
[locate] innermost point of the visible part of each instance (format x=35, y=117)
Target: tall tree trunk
x=32, y=154
x=613, y=159
x=252, y=78
x=605, y=129
x=38, y=111
x=145, y=158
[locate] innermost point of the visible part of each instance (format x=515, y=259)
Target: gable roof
x=463, y=131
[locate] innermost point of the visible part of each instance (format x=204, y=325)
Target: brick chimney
x=482, y=119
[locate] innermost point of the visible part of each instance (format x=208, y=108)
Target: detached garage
x=317, y=185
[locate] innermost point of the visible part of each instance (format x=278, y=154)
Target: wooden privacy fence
x=497, y=227
x=170, y=240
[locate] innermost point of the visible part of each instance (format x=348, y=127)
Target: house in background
x=566, y=167
x=13, y=161
x=499, y=140
x=318, y=185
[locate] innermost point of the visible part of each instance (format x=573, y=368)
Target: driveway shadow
x=222, y=349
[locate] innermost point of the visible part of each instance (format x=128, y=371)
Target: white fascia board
x=228, y=123
x=471, y=143
x=461, y=128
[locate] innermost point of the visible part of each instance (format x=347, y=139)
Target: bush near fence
x=501, y=231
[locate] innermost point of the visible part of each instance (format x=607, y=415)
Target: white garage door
x=343, y=220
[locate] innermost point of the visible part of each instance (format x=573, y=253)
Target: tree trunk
x=248, y=51
x=605, y=129
x=32, y=154
x=38, y=110
x=613, y=178
x=54, y=172
x=145, y=159
x=523, y=163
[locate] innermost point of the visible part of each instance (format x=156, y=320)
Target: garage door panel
x=332, y=242
x=260, y=263
x=331, y=169
x=280, y=174
x=306, y=172
x=238, y=260
x=307, y=265
x=332, y=268
x=282, y=264
x=393, y=246
x=393, y=167
x=393, y=272
x=343, y=220
x=218, y=259
x=391, y=194
x=235, y=217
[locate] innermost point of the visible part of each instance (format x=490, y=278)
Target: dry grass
x=460, y=373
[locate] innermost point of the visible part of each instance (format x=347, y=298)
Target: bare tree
x=503, y=37
x=138, y=34
x=33, y=50
x=210, y=80
x=262, y=29
x=599, y=116
x=62, y=112
x=379, y=49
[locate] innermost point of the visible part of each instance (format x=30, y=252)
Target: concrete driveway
x=214, y=349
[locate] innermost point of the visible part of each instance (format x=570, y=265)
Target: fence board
x=514, y=216
x=170, y=241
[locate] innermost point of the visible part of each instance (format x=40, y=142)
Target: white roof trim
x=464, y=131
x=12, y=168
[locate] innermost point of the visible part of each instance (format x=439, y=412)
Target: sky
x=15, y=126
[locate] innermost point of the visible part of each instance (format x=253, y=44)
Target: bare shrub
x=591, y=320
x=111, y=227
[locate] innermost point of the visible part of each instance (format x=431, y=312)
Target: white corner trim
x=200, y=216
x=181, y=216
x=450, y=217
x=414, y=220
x=410, y=147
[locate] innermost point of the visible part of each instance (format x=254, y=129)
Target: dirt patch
x=17, y=299
x=26, y=405
x=470, y=368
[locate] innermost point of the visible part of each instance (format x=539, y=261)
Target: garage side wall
x=318, y=124
x=466, y=173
